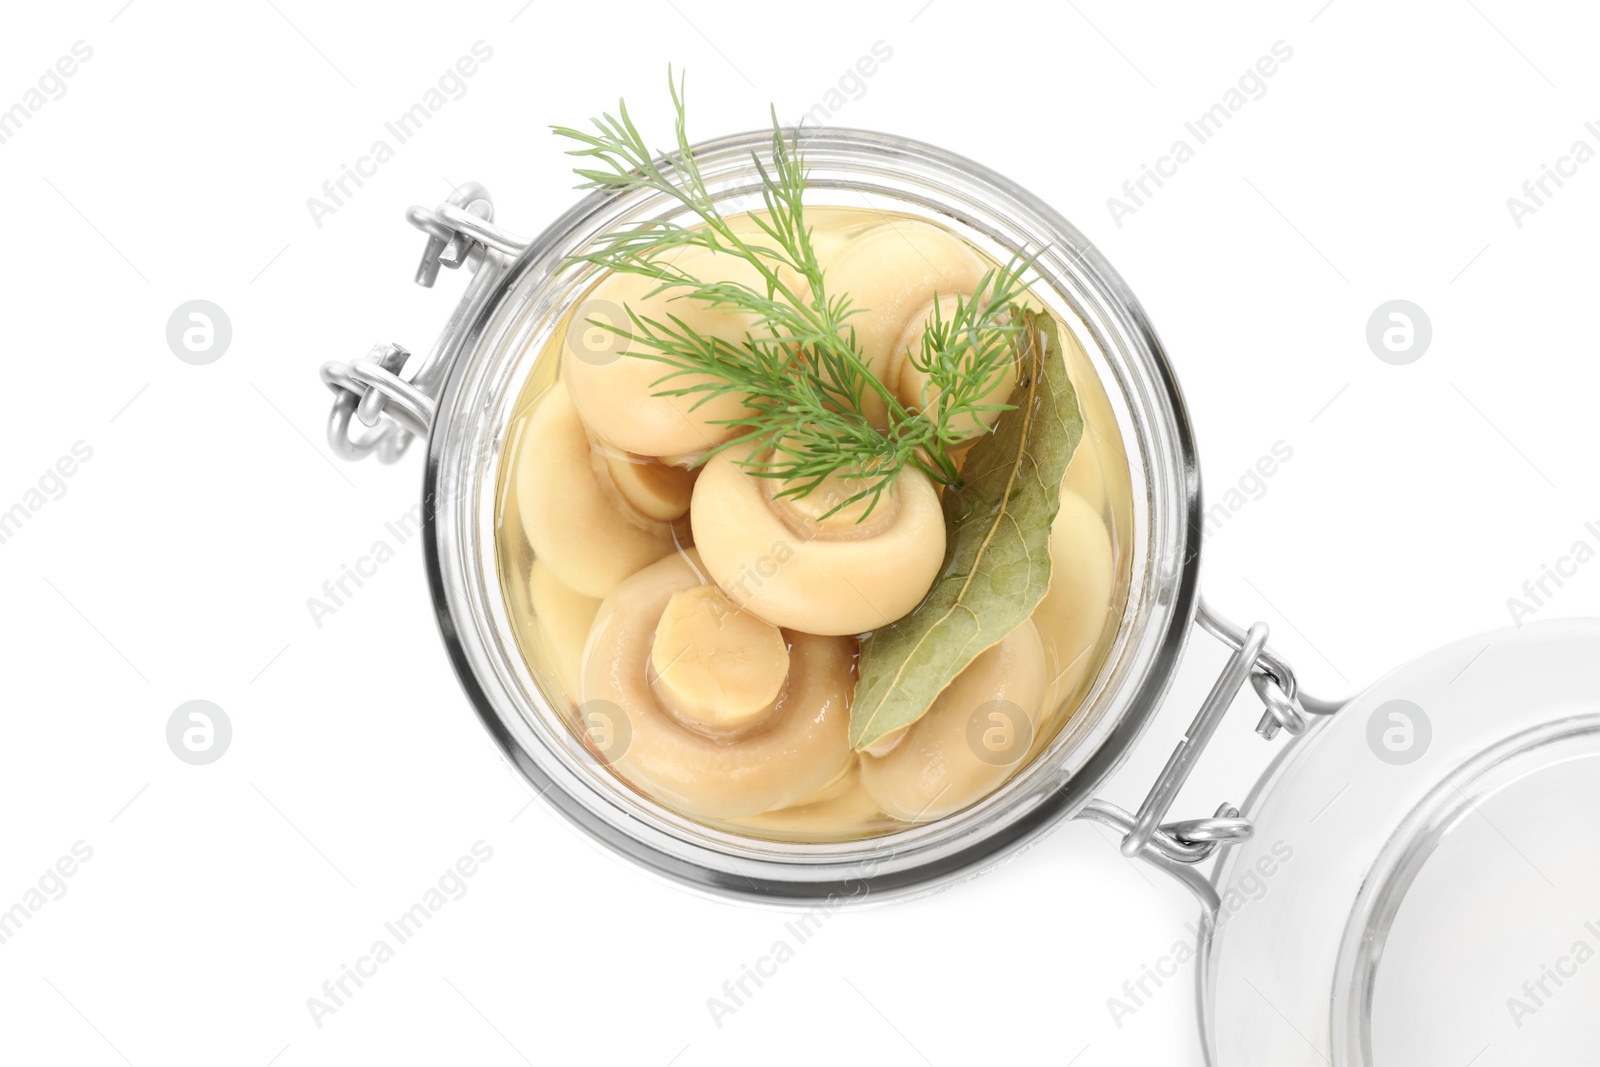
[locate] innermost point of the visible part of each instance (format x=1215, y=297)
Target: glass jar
x=491, y=350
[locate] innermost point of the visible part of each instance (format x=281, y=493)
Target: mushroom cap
x=800, y=747
x=914, y=387
x=576, y=522
x=1084, y=477
x=563, y=617
x=889, y=272
x=1075, y=609
x=842, y=811
x=615, y=392
x=819, y=578
x=977, y=733
x=1100, y=475
x=832, y=229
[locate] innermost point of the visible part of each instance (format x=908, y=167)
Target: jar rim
x=490, y=355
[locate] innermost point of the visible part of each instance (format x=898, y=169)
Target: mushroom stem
x=658, y=492
x=825, y=513
x=718, y=669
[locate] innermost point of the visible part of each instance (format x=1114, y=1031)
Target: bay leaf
x=997, y=549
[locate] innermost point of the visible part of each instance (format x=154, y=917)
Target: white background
x=179, y=561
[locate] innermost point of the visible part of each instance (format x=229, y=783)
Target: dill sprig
x=801, y=372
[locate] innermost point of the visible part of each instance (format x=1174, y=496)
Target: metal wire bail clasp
x=1181, y=764
x=1177, y=846
x=371, y=390
x=365, y=390
x=448, y=226
x=1287, y=707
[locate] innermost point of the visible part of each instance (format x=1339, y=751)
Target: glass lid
x=1423, y=886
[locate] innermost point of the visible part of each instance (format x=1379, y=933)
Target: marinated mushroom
x=914, y=388
x=576, y=520
x=1085, y=478
x=832, y=229
x=726, y=715
x=889, y=272
x=616, y=392
x=975, y=734
x=1072, y=614
x=1099, y=468
x=655, y=490
x=563, y=616
x=793, y=564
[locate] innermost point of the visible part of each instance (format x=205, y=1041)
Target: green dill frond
x=800, y=372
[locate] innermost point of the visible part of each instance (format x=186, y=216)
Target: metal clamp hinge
x=1193, y=840
x=371, y=390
